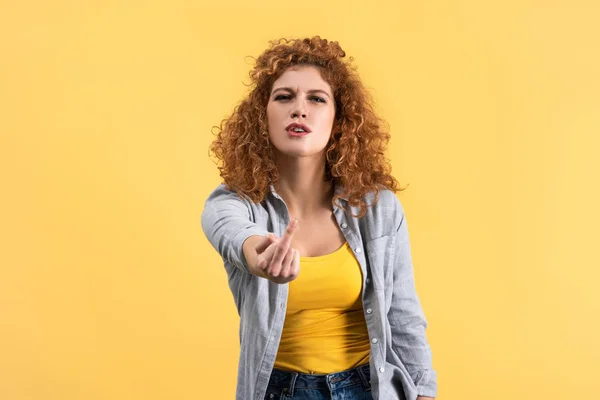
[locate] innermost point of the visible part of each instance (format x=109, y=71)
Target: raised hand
x=276, y=260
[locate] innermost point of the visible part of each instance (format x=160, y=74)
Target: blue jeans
x=353, y=384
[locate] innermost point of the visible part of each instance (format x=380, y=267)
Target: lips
x=294, y=125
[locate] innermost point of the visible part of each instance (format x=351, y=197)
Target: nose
x=299, y=108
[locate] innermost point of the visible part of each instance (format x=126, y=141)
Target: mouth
x=296, y=129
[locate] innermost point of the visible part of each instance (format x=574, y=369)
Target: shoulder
x=223, y=192
x=385, y=204
x=222, y=198
x=384, y=214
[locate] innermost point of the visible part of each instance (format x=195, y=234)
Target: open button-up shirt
x=400, y=359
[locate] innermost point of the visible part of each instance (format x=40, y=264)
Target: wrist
x=250, y=254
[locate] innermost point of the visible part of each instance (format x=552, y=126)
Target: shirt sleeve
x=226, y=222
x=406, y=317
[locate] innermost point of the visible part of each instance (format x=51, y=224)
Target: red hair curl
x=355, y=152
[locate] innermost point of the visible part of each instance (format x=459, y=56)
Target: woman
x=313, y=237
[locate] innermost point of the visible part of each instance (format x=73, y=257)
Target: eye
x=282, y=97
x=318, y=99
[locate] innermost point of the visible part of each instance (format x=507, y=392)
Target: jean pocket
x=276, y=393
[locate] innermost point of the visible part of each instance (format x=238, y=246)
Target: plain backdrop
x=109, y=289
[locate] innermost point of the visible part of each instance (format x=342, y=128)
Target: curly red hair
x=355, y=152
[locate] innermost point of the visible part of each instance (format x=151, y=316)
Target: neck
x=302, y=186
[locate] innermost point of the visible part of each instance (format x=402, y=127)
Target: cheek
x=273, y=115
x=328, y=117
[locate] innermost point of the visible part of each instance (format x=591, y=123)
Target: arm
x=226, y=222
x=407, y=321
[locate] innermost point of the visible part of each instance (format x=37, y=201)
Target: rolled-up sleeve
x=406, y=317
x=227, y=223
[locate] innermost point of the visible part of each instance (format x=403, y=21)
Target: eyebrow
x=289, y=89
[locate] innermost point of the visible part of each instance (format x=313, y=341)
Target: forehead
x=303, y=78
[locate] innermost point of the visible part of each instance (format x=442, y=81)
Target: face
x=301, y=96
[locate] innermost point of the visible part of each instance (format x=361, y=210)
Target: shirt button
x=344, y=225
x=375, y=341
x=271, y=396
x=368, y=280
x=358, y=250
x=381, y=369
x=369, y=311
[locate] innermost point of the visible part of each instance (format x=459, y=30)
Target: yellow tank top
x=325, y=329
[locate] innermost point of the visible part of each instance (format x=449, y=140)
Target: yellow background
x=108, y=288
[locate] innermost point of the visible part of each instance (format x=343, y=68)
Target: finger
x=276, y=267
x=286, y=239
x=266, y=257
x=266, y=241
x=295, y=268
x=269, y=239
x=286, y=264
x=284, y=242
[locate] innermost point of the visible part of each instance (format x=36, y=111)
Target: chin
x=298, y=149
x=296, y=152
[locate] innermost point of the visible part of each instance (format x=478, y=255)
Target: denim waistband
x=295, y=380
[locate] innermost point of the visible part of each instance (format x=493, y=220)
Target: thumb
x=266, y=242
